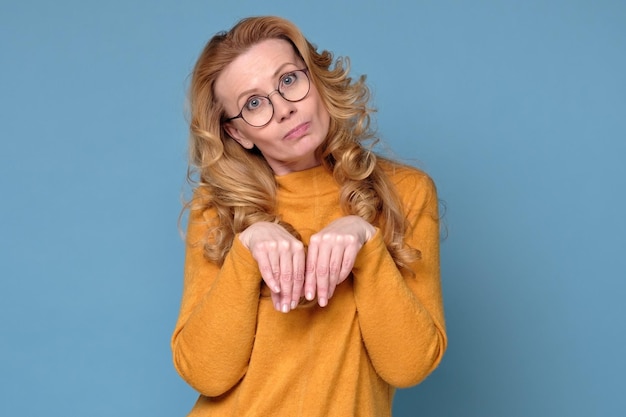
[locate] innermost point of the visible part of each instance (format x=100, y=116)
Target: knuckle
x=299, y=276
x=264, y=246
x=326, y=237
x=257, y=247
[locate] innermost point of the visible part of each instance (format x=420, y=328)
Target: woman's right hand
x=281, y=260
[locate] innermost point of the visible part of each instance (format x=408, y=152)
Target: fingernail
x=277, y=306
x=323, y=302
x=285, y=308
x=309, y=295
x=294, y=304
x=277, y=288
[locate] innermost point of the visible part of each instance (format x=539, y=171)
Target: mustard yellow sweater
x=379, y=331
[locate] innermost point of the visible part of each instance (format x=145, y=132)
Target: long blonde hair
x=239, y=184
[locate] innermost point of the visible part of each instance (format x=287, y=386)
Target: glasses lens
x=294, y=86
x=257, y=111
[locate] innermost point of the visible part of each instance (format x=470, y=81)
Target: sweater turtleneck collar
x=308, y=182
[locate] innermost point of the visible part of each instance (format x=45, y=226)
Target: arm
x=213, y=338
x=401, y=317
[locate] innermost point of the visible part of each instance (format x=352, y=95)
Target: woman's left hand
x=331, y=255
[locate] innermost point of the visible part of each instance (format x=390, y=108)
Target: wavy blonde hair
x=239, y=184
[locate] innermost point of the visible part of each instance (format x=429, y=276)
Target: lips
x=298, y=131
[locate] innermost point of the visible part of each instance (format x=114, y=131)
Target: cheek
x=265, y=137
x=255, y=134
x=322, y=112
x=324, y=117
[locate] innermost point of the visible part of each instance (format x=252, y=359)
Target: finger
x=322, y=273
x=298, y=277
x=347, y=262
x=275, y=300
x=286, y=280
x=267, y=271
x=309, y=274
x=274, y=270
x=334, y=267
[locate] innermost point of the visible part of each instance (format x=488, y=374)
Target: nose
x=283, y=109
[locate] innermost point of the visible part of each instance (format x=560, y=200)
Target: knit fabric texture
x=380, y=330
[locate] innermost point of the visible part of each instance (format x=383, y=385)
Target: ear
x=238, y=136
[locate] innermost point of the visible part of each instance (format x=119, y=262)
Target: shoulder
x=202, y=214
x=408, y=179
x=414, y=188
x=200, y=205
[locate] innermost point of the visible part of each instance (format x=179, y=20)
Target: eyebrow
x=278, y=72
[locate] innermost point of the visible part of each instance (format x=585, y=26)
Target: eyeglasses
x=258, y=110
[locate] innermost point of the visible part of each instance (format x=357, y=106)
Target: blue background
x=516, y=108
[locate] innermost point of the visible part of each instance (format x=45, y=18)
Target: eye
x=289, y=79
x=254, y=103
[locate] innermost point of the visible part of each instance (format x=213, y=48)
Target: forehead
x=255, y=68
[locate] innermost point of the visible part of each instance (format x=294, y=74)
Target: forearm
x=401, y=320
x=215, y=333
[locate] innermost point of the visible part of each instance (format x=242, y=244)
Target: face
x=289, y=141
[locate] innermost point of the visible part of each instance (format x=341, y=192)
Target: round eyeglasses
x=258, y=110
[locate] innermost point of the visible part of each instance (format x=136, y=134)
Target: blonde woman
x=311, y=283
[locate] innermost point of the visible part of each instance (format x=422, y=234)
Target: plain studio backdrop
x=517, y=109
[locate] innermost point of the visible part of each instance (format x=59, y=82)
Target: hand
x=280, y=257
x=331, y=255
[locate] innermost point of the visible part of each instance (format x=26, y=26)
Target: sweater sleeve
x=401, y=316
x=214, y=334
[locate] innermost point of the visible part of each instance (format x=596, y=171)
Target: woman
x=312, y=268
